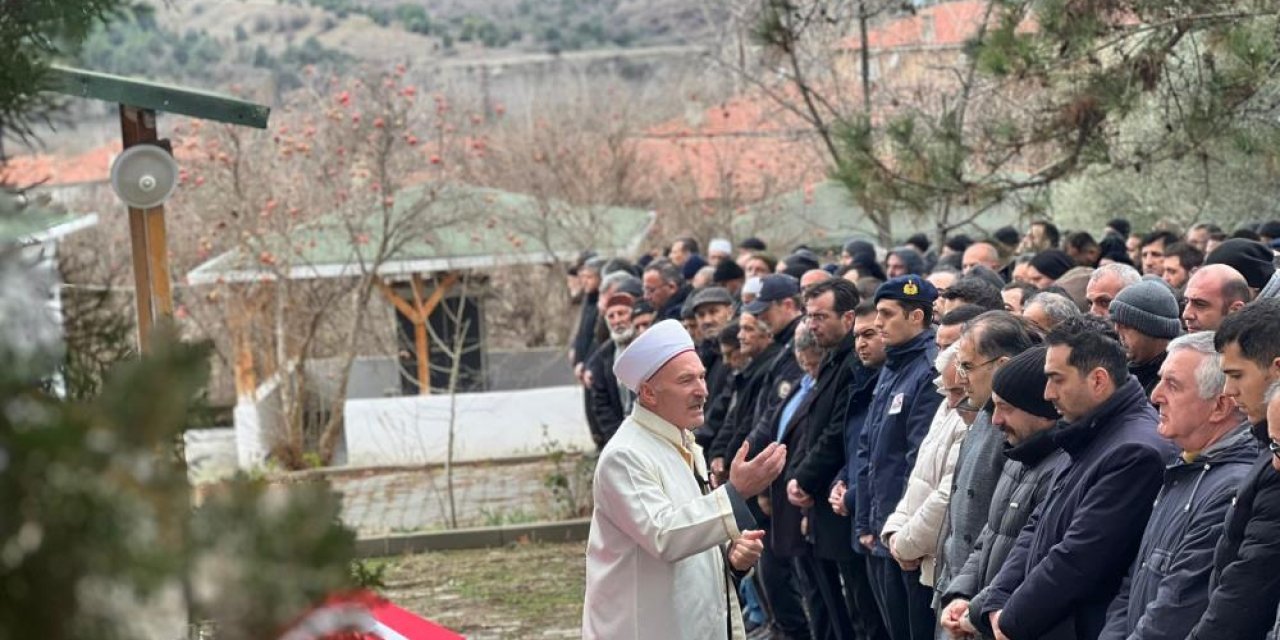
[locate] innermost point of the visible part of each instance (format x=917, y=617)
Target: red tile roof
x=948, y=24
x=741, y=150
x=56, y=171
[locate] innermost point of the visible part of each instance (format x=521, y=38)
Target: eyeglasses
x=964, y=370
x=1273, y=447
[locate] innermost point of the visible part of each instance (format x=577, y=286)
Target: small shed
x=487, y=229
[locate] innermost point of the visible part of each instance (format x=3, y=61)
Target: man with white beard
x=608, y=401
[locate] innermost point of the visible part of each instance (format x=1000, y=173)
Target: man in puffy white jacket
x=911, y=532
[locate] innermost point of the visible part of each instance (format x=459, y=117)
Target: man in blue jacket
x=869, y=348
x=1069, y=560
x=898, y=419
x=1245, y=586
x=1168, y=585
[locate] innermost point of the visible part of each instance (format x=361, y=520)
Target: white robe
x=655, y=563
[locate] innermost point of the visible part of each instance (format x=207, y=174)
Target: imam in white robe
x=656, y=552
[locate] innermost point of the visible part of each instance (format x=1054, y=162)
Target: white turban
x=719, y=245
x=646, y=354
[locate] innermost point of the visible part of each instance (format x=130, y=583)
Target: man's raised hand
x=750, y=477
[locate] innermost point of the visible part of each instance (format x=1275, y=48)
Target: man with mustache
x=662, y=542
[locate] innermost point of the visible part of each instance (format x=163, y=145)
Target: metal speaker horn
x=144, y=176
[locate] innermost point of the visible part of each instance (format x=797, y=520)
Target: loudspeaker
x=144, y=176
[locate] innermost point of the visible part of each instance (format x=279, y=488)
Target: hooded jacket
x=1244, y=590
x=1023, y=485
x=897, y=421
x=1069, y=560
x=1168, y=585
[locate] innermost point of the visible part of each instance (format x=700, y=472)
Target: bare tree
x=351, y=176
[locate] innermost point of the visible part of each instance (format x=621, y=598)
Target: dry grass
x=523, y=591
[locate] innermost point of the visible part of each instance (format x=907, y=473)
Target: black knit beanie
x=727, y=270
x=1252, y=259
x=1021, y=381
x=1052, y=263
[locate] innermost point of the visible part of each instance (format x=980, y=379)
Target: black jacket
x=863, y=385
x=717, y=410
x=671, y=310
x=784, y=537
x=1069, y=560
x=1168, y=585
x=740, y=417
x=1148, y=373
x=783, y=376
x=1245, y=588
x=584, y=341
x=819, y=456
x=1023, y=485
x=604, y=394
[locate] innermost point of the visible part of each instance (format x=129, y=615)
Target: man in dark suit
x=818, y=455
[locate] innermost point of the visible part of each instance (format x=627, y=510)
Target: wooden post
x=418, y=313
x=148, y=237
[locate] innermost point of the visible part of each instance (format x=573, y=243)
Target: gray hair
x=804, y=338
x=1209, y=376
x=1057, y=306
x=946, y=357
x=615, y=279
x=667, y=270
x=1127, y=274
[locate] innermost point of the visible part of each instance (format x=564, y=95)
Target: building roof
x=158, y=96
x=495, y=229
x=946, y=24
x=743, y=149
x=24, y=223
x=824, y=215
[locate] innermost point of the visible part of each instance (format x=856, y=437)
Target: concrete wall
x=255, y=417
x=493, y=425
x=380, y=377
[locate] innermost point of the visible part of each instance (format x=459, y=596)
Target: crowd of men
x=1025, y=436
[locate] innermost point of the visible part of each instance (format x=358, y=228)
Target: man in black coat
x=1025, y=420
x=819, y=455
x=584, y=344
x=609, y=402
x=777, y=306
x=665, y=289
x=1245, y=586
x=759, y=349
x=1069, y=560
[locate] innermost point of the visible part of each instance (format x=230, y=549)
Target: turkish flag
x=364, y=615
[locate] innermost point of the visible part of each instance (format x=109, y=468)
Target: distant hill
x=216, y=43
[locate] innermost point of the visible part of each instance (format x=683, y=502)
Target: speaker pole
x=148, y=237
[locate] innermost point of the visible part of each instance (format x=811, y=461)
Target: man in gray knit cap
x=1146, y=317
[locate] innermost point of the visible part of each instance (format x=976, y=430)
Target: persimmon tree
x=350, y=173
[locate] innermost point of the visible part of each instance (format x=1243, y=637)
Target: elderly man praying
x=663, y=544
